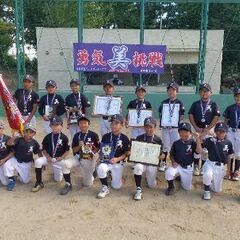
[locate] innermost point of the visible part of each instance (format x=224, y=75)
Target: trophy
x=106, y=152
x=86, y=151
x=73, y=114
x=50, y=111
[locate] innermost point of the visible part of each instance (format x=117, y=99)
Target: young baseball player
x=76, y=105
x=24, y=148
x=151, y=171
x=139, y=104
x=27, y=100
x=175, y=113
x=85, y=146
x=55, y=149
x=105, y=125
x=220, y=150
x=121, y=146
x=182, y=155
x=203, y=116
x=50, y=105
x=5, y=153
x=232, y=119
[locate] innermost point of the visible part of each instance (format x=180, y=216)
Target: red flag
x=14, y=116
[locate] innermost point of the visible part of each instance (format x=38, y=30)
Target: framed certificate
x=108, y=106
x=145, y=153
x=170, y=115
x=136, y=119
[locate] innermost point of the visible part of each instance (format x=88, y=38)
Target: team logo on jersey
x=59, y=142
x=89, y=139
x=144, y=105
x=56, y=101
x=30, y=150
x=225, y=149
x=119, y=143
x=30, y=97
x=209, y=108
x=189, y=148
x=3, y=145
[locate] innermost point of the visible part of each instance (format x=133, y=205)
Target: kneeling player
x=182, y=155
x=24, y=148
x=85, y=146
x=220, y=150
x=120, y=144
x=151, y=171
x=55, y=149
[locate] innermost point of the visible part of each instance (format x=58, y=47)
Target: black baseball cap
x=140, y=87
x=108, y=82
x=83, y=117
x=205, y=86
x=150, y=121
x=117, y=118
x=75, y=80
x=173, y=85
x=236, y=91
x=185, y=126
x=57, y=120
x=29, y=126
x=221, y=126
x=51, y=83
x=29, y=78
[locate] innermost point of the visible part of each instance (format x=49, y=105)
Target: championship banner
x=14, y=116
x=132, y=58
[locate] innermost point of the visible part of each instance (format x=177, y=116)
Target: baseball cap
x=236, y=91
x=221, y=126
x=108, y=82
x=29, y=78
x=57, y=120
x=83, y=117
x=117, y=118
x=185, y=126
x=51, y=83
x=29, y=126
x=75, y=80
x=150, y=121
x=2, y=125
x=173, y=85
x=140, y=87
x=206, y=86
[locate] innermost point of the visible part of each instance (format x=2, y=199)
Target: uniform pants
x=234, y=137
x=105, y=126
x=46, y=127
x=23, y=169
x=3, y=178
x=87, y=168
x=169, y=136
x=136, y=131
x=213, y=175
x=73, y=129
x=185, y=175
x=116, y=171
x=57, y=167
x=151, y=173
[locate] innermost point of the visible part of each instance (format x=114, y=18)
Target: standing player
x=151, y=171
x=105, y=127
x=175, y=113
x=85, y=146
x=55, y=148
x=27, y=100
x=121, y=146
x=232, y=119
x=220, y=150
x=5, y=153
x=76, y=105
x=203, y=116
x=139, y=104
x=24, y=148
x=182, y=154
x=50, y=105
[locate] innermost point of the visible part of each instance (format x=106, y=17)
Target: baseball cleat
x=11, y=185
x=235, y=176
x=207, y=195
x=138, y=194
x=169, y=191
x=104, y=192
x=228, y=176
x=37, y=187
x=66, y=189
x=162, y=167
x=196, y=171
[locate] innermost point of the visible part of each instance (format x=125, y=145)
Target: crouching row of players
x=16, y=154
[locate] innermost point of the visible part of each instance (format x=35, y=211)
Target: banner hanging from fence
x=96, y=57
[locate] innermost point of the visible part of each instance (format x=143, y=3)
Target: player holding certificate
x=140, y=104
x=171, y=112
x=151, y=171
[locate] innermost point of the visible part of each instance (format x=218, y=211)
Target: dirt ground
x=79, y=215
